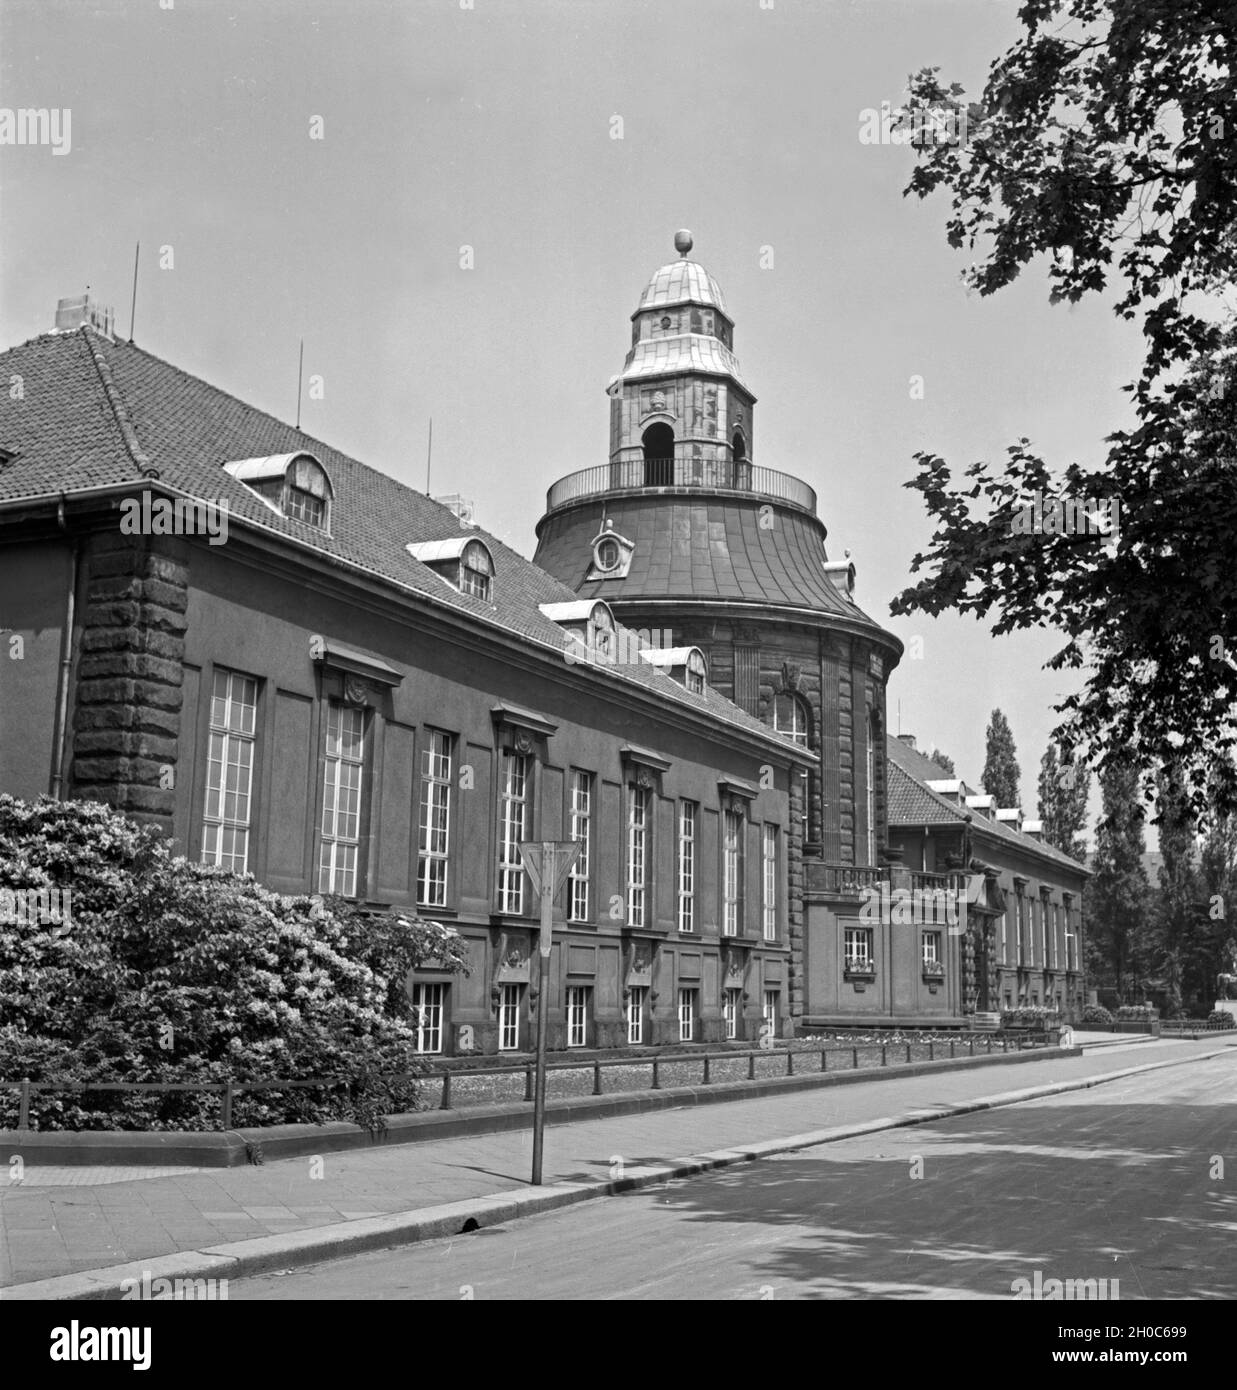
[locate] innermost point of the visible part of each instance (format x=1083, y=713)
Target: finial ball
x=683, y=241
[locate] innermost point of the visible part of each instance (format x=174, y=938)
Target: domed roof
x=681, y=282
x=682, y=352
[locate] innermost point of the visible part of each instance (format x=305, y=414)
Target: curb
x=240, y=1259
x=236, y=1148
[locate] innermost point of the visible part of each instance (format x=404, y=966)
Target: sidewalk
x=61, y=1221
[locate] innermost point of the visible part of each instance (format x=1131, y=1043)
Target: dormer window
x=589, y=626
x=477, y=571
x=608, y=554
x=683, y=664
x=611, y=554
x=464, y=562
x=696, y=671
x=294, y=485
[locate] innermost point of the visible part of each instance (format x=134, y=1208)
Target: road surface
x=1135, y=1180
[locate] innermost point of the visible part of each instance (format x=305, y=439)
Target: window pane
x=229, y=770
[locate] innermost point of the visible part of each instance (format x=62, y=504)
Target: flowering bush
x=1095, y=1013
x=1222, y=1017
x=860, y=965
x=1032, y=1015
x=1136, y=1013
x=172, y=971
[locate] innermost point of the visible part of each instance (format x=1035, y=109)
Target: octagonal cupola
x=680, y=412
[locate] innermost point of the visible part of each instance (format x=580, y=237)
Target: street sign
x=564, y=854
x=547, y=863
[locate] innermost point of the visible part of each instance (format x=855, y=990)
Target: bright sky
x=492, y=127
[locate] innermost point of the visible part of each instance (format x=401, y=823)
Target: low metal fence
x=786, y=1060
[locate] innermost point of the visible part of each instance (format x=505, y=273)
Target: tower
x=683, y=532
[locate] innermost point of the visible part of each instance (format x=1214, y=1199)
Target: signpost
x=547, y=864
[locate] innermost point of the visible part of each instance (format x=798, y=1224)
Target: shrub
x=172, y=971
x=1032, y=1015
x=1095, y=1013
x=1136, y=1013
x=1222, y=1017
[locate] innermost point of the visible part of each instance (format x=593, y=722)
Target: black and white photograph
x=618, y=669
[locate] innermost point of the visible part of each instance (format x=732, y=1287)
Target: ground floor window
x=732, y=1009
x=577, y=1015
x=858, y=945
x=509, y=1019
x=769, y=1012
x=687, y=1015
x=428, y=1003
x=636, y=998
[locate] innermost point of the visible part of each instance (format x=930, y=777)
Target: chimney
x=909, y=740
x=80, y=310
x=463, y=508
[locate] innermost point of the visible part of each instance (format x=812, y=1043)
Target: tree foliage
x=944, y=762
x=1063, y=792
x=1105, y=140
x=1117, y=896
x=170, y=971
x=1001, y=772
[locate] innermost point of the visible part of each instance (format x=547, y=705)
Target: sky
x=316, y=168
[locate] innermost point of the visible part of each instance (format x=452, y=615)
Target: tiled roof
x=681, y=282
x=912, y=802
x=93, y=412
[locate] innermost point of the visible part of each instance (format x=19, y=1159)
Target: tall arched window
x=871, y=796
x=790, y=716
x=658, y=455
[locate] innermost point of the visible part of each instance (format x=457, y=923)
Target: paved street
x=1113, y=1182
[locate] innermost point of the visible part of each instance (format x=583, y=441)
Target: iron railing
x=640, y=474
x=790, y=1060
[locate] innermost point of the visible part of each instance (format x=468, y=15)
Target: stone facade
x=130, y=672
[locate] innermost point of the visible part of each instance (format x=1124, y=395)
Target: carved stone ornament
x=357, y=690
x=791, y=675
x=523, y=741
x=644, y=779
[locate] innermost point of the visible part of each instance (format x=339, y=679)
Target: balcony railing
x=845, y=880
x=709, y=475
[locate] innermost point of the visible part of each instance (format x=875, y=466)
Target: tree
x=1217, y=875
x=1175, y=944
x=1001, y=772
x=1063, y=792
x=944, y=762
x=1117, y=895
x=1105, y=139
